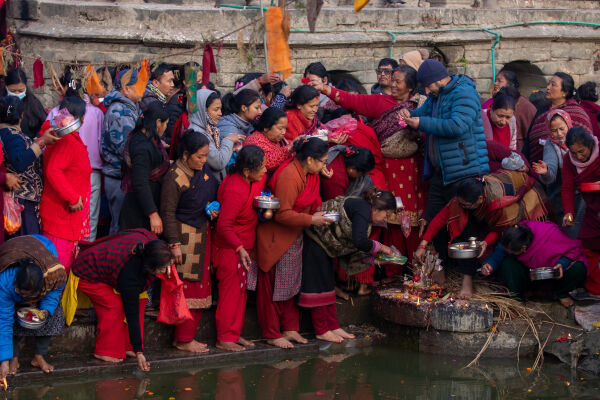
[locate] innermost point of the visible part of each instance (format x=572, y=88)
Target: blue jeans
x=115, y=196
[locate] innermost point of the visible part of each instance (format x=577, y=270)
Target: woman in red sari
x=302, y=112
x=561, y=94
x=234, y=241
x=581, y=165
x=279, y=241
x=270, y=136
x=401, y=156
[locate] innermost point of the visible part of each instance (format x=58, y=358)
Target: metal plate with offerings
x=65, y=130
x=464, y=250
x=540, y=274
x=30, y=318
x=266, y=202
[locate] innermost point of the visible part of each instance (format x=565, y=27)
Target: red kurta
x=236, y=227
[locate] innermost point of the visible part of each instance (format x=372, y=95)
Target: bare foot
x=246, y=343
x=566, y=301
x=364, y=289
x=281, y=342
x=108, y=359
x=13, y=366
x=466, y=291
x=295, y=336
x=343, y=333
x=38, y=361
x=339, y=292
x=192, y=347
x=130, y=353
x=329, y=336
x=229, y=346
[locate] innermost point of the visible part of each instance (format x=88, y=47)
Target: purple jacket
x=90, y=132
x=549, y=244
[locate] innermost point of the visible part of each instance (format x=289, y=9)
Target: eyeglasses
x=322, y=161
x=385, y=71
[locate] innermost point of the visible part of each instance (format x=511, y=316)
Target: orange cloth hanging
x=92, y=82
x=359, y=4
x=143, y=77
x=278, y=49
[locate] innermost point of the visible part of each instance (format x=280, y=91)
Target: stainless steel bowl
x=323, y=137
x=463, y=250
x=266, y=202
x=332, y=215
x=29, y=324
x=65, y=130
x=540, y=274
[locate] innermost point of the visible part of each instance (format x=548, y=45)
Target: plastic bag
x=12, y=214
x=173, y=309
x=344, y=125
x=405, y=224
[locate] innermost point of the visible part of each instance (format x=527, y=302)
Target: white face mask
x=21, y=96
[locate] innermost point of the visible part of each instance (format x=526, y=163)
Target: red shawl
x=539, y=129
x=180, y=126
x=275, y=153
x=298, y=125
x=364, y=136
x=310, y=197
x=592, y=109
x=571, y=180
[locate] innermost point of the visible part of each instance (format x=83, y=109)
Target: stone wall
x=345, y=41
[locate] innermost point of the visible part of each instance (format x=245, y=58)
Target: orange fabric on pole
x=143, y=77
x=278, y=49
x=92, y=82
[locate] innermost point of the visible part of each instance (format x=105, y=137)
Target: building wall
x=99, y=32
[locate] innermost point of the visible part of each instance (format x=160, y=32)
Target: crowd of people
x=166, y=180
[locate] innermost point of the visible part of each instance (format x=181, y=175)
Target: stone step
x=79, y=338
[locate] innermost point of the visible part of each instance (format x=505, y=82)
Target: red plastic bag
x=12, y=214
x=344, y=125
x=173, y=309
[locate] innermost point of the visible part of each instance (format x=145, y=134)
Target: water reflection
x=369, y=374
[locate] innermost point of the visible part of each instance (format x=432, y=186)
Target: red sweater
x=370, y=105
x=236, y=225
x=441, y=220
x=67, y=173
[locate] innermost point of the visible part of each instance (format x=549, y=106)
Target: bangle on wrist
x=175, y=245
x=423, y=246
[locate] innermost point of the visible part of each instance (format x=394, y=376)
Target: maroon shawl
x=539, y=129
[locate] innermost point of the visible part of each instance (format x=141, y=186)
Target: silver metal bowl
x=463, y=250
x=28, y=324
x=332, y=215
x=65, y=130
x=266, y=202
x=323, y=136
x=540, y=274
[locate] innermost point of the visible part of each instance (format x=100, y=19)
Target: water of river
x=381, y=372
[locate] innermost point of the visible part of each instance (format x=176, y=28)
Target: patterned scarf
x=157, y=92
x=213, y=131
x=567, y=118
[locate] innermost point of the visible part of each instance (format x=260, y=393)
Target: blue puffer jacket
x=119, y=120
x=9, y=297
x=454, y=119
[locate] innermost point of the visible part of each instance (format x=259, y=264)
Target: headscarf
x=413, y=59
x=200, y=121
x=566, y=117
